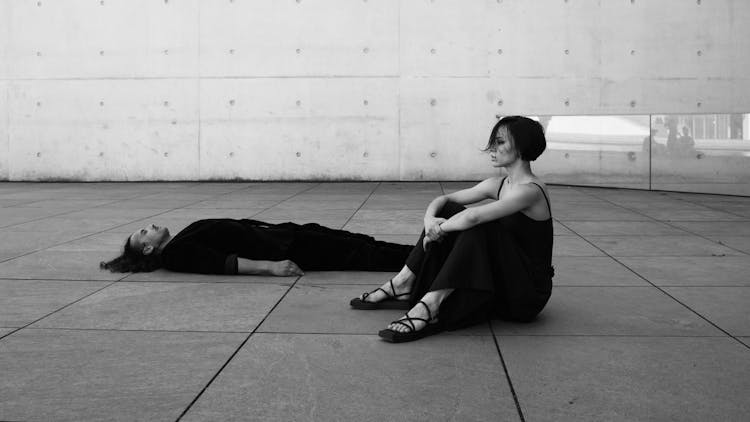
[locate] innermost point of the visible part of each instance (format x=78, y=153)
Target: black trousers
x=487, y=269
x=319, y=248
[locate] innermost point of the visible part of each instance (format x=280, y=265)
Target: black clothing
x=503, y=267
x=213, y=246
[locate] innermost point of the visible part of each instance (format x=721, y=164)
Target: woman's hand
x=432, y=228
x=285, y=268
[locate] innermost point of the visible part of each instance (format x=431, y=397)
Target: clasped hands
x=432, y=230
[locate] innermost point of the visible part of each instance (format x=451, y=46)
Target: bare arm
x=519, y=199
x=278, y=268
x=485, y=189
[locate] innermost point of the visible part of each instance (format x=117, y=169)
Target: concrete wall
x=338, y=89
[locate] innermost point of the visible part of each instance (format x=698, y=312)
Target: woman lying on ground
x=227, y=246
x=469, y=264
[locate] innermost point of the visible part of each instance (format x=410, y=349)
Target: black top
x=212, y=246
x=534, y=236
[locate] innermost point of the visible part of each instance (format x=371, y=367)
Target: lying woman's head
x=526, y=136
x=140, y=252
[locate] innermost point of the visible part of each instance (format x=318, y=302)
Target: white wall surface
x=339, y=89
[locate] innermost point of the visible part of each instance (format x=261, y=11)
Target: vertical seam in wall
x=7, y=129
x=398, y=94
x=199, y=83
x=650, y=151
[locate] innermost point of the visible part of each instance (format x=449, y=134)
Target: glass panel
x=596, y=150
x=711, y=154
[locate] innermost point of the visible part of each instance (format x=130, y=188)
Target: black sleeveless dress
x=501, y=268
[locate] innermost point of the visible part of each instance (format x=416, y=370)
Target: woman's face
x=503, y=152
x=152, y=235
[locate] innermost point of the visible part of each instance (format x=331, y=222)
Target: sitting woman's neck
x=519, y=172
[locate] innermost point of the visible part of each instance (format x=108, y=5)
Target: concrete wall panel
x=444, y=38
x=536, y=39
x=232, y=71
x=104, y=130
x=302, y=38
x=665, y=39
x=297, y=128
x=112, y=38
x=445, y=122
x=551, y=96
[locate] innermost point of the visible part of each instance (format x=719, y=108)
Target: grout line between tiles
x=507, y=374
x=360, y=206
x=57, y=310
x=197, y=397
x=672, y=225
x=660, y=289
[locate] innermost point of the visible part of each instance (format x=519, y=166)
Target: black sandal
x=432, y=327
x=390, y=301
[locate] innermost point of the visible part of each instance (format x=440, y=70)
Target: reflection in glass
x=701, y=153
x=596, y=150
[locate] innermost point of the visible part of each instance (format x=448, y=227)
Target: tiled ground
x=649, y=318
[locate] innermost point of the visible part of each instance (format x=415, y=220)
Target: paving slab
x=691, y=215
x=595, y=212
x=70, y=375
x=170, y=307
x=24, y=301
x=112, y=242
x=409, y=188
x=325, y=309
x=573, y=246
x=71, y=204
x=626, y=311
x=359, y=224
x=339, y=377
x=14, y=216
x=346, y=278
x=416, y=202
x=727, y=307
x=59, y=265
x=163, y=275
x=306, y=216
x=716, y=229
x=247, y=204
x=593, y=271
x=16, y=243
x=622, y=228
x=661, y=246
x=693, y=270
x=559, y=230
x=628, y=379
x=740, y=243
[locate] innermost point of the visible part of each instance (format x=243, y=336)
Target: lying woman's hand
x=285, y=268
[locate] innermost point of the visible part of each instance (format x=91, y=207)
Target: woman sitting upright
x=494, y=259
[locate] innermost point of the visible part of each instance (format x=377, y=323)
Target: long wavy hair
x=132, y=261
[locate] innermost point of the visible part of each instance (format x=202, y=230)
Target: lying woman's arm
x=278, y=268
x=520, y=198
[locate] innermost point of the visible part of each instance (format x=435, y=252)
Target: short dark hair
x=528, y=136
x=132, y=260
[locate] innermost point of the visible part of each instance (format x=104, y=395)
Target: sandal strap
x=387, y=295
x=410, y=324
x=429, y=313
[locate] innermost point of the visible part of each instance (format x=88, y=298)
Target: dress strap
x=502, y=182
x=549, y=207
